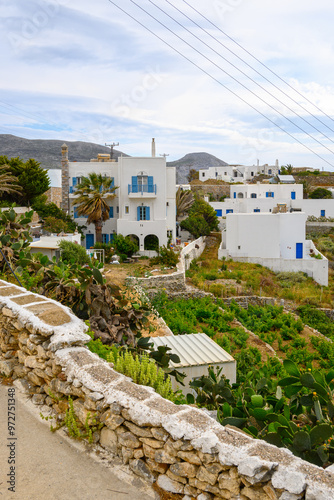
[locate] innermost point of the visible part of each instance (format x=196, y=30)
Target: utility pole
x=164, y=155
x=112, y=148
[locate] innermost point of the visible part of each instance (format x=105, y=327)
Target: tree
x=193, y=175
x=184, y=200
x=202, y=219
x=33, y=179
x=46, y=210
x=287, y=169
x=320, y=193
x=8, y=182
x=92, y=198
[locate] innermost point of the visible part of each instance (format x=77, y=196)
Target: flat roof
x=193, y=349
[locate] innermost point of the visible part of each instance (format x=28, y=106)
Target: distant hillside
x=194, y=161
x=48, y=152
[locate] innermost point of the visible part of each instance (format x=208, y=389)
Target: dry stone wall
x=42, y=347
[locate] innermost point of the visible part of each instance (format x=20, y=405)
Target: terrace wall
x=42, y=347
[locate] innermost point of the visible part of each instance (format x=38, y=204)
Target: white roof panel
x=194, y=349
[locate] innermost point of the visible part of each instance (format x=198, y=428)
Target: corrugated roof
x=193, y=349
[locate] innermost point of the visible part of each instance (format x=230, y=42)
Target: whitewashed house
x=49, y=245
x=144, y=206
x=237, y=173
x=274, y=240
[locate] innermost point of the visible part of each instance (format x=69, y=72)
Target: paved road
x=48, y=466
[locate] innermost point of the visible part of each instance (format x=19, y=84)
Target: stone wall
x=42, y=347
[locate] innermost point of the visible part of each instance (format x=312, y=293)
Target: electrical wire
x=228, y=74
x=217, y=81
x=264, y=65
x=255, y=70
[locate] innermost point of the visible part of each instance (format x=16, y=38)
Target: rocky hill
x=48, y=152
x=194, y=161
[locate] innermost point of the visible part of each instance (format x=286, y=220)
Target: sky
x=87, y=71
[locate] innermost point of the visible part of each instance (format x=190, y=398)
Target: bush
x=167, y=257
x=55, y=225
x=124, y=245
x=107, y=247
x=72, y=252
x=320, y=193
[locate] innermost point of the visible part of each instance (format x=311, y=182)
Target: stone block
x=163, y=457
x=167, y=484
x=175, y=477
x=144, y=432
x=184, y=469
x=190, y=456
x=208, y=477
x=153, y=443
x=159, y=433
x=140, y=468
x=112, y=421
x=7, y=367
x=129, y=440
x=160, y=468
x=108, y=439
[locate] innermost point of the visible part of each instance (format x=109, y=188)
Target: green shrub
x=73, y=252
x=124, y=245
x=166, y=257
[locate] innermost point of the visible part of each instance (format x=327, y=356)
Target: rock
x=257, y=470
x=184, y=469
x=207, y=477
x=153, y=443
x=254, y=493
x=201, y=485
x=127, y=453
x=167, y=484
x=163, y=457
x=138, y=431
x=226, y=482
x=159, y=433
x=138, y=453
x=290, y=496
x=190, y=456
x=129, y=440
x=179, y=479
x=148, y=451
x=35, y=379
x=38, y=399
x=270, y=491
x=82, y=413
x=112, y=421
x=140, y=468
x=161, y=468
x=190, y=490
x=7, y=368
x=207, y=458
x=108, y=439
x=204, y=496
x=290, y=480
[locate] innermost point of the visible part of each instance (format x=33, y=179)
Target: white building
x=144, y=206
x=49, y=245
x=237, y=173
x=276, y=241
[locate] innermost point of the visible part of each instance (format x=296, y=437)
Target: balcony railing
x=140, y=189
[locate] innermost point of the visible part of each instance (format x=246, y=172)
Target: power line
x=228, y=74
x=217, y=81
x=256, y=71
x=262, y=64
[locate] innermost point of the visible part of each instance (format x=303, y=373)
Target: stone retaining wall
x=42, y=347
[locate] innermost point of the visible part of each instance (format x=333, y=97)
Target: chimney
x=258, y=163
x=277, y=164
x=64, y=178
x=153, y=148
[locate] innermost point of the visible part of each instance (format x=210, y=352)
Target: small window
x=167, y=204
x=256, y=210
x=203, y=174
x=269, y=194
x=126, y=209
x=253, y=195
x=117, y=210
x=239, y=247
x=169, y=233
x=322, y=213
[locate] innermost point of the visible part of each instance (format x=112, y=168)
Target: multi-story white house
x=144, y=206
x=237, y=173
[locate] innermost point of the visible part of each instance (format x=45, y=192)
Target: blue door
x=89, y=240
x=299, y=250
x=293, y=195
x=322, y=213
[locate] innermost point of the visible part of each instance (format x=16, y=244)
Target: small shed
x=197, y=352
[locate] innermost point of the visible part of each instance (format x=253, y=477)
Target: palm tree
x=92, y=197
x=184, y=200
x=8, y=182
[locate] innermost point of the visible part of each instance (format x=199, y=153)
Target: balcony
x=142, y=191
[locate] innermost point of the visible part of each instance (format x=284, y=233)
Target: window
x=219, y=212
x=234, y=195
x=75, y=212
x=322, y=213
x=269, y=194
x=142, y=183
x=126, y=210
x=252, y=174
x=256, y=210
x=105, y=238
x=117, y=210
x=293, y=195
x=111, y=212
x=143, y=213
x=203, y=174
x=269, y=171
x=169, y=233
x=229, y=211
x=253, y=195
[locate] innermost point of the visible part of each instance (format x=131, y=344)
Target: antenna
x=164, y=155
x=112, y=148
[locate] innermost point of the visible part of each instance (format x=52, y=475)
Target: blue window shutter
x=219, y=212
x=267, y=194
x=105, y=238
x=134, y=184
x=75, y=212
x=234, y=195
x=147, y=213
x=273, y=195
x=112, y=182
x=293, y=195
x=150, y=184
x=74, y=181
x=112, y=236
x=111, y=212
x=138, y=213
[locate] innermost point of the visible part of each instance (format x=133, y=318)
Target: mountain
x=48, y=152
x=194, y=161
